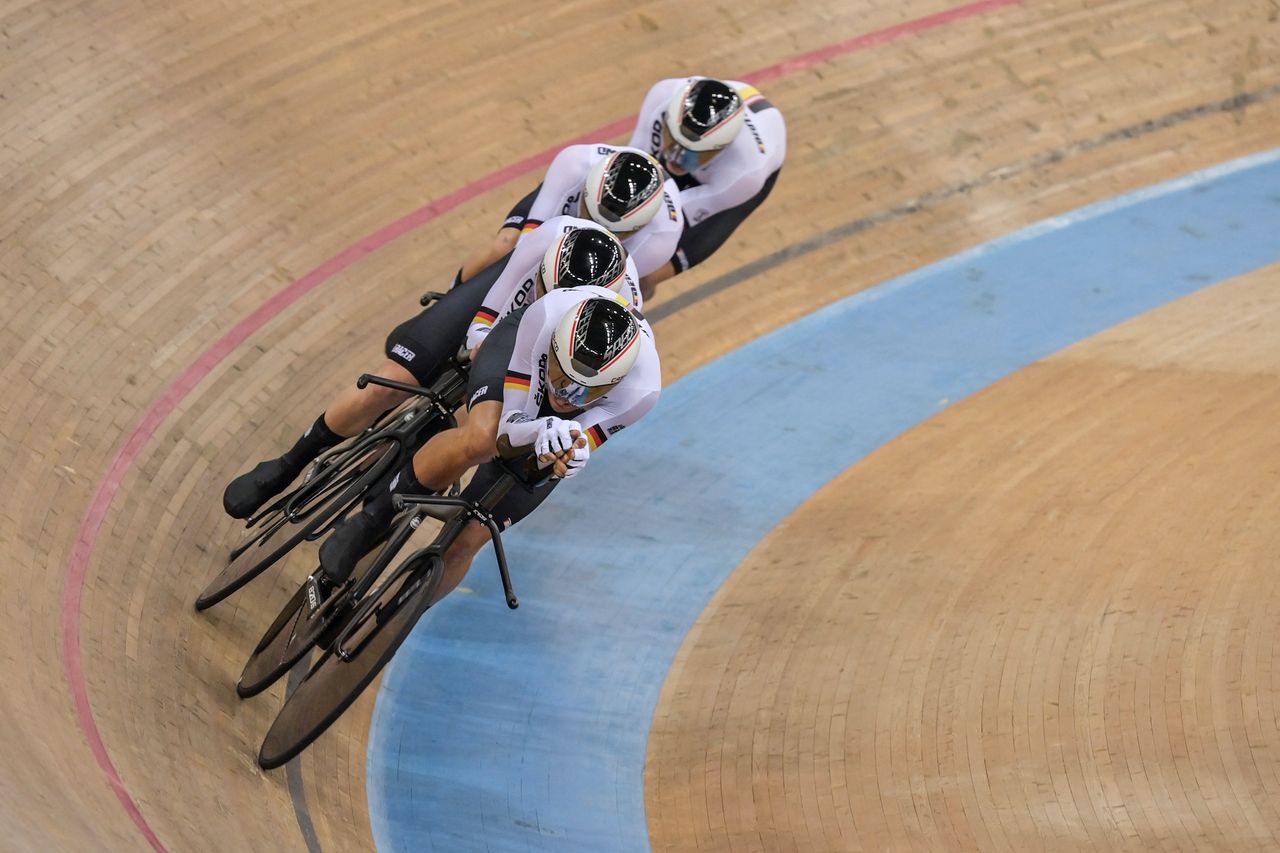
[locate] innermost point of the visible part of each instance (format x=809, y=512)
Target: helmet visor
x=683, y=159
x=584, y=212
x=566, y=389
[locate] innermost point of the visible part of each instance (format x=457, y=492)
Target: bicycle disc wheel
x=282, y=535
x=296, y=632
x=285, y=643
x=333, y=683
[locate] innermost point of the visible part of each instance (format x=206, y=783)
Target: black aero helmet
x=597, y=342
x=584, y=256
x=705, y=114
x=624, y=190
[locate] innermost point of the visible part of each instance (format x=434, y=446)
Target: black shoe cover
x=350, y=541
x=248, y=492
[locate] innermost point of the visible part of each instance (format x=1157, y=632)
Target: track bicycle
x=366, y=619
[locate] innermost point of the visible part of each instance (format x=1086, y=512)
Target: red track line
x=87, y=535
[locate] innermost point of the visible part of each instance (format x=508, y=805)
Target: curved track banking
x=491, y=706
x=1013, y=630
x=172, y=166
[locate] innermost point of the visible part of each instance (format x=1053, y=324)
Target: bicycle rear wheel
x=334, y=682
x=288, y=526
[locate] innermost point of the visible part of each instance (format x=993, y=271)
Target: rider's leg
x=352, y=411
x=457, y=560
x=503, y=242
x=437, y=465
x=415, y=351
x=449, y=454
x=649, y=283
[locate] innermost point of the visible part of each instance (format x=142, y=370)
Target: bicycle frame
x=427, y=406
x=468, y=511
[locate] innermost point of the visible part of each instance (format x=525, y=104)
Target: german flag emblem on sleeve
x=516, y=381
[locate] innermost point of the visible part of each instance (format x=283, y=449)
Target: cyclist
x=417, y=349
x=574, y=252
x=563, y=376
x=724, y=145
x=633, y=172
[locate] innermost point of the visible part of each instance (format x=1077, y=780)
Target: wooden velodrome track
x=168, y=168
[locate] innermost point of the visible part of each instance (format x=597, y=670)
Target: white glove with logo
x=553, y=437
x=578, y=462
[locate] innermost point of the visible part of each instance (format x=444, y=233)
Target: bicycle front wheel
x=299, y=627
x=286, y=642
x=337, y=680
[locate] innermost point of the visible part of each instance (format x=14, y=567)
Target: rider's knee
x=380, y=400
x=479, y=442
x=480, y=432
x=504, y=241
x=384, y=397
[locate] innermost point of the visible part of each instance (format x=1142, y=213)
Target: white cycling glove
x=578, y=462
x=553, y=436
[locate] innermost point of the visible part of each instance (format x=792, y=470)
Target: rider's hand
x=561, y=461
x=577, y=460
x=555, y=437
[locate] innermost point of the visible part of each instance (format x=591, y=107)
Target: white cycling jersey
x=561, y=195
x=738, y=171
x=524, y=388
x=514, y=287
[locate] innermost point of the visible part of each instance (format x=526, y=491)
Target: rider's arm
x=631, y=400
x=603, y=421
x=564, y=178
x=631, y=284
x=648, y=133
x=653, y=245
x=519, y=422
x=731, y=190
x=514, y=287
